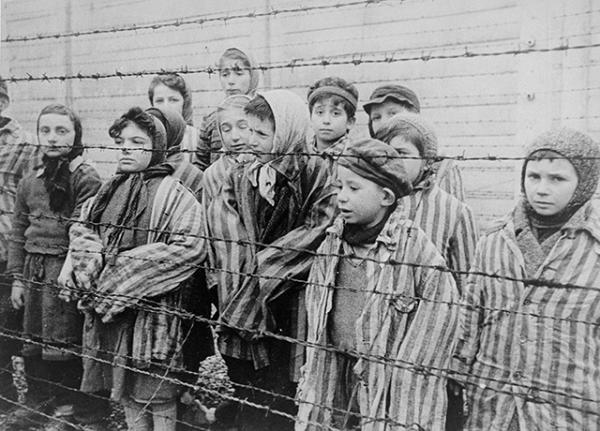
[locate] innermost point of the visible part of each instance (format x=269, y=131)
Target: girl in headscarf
x=132, y=259
x=238, y=74
x=175, y=129
x=530, y=330
x=46, y=202
x=171, y=91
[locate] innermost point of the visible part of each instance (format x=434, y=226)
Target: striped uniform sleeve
x=158, y=267
x=462, y=245
x=420, y=391
x=471, y=315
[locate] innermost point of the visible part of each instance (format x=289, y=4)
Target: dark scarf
x=174, y=125
x=545, y=226
x=57, y=179
x=274, y=221
x=132, y=206
x=356, y=234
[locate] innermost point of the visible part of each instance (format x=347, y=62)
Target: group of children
x=349, y=284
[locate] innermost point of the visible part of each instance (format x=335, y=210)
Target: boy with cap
x=18, y=156
x=531, y=329
x=368, y=308
x=332, y=103
x=270, y=214
x=389, y=100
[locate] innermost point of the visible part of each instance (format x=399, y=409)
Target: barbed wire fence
x=530, y=393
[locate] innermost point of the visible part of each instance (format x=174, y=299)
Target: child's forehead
x=232, y=63
x=229, y=112
x=329, y=100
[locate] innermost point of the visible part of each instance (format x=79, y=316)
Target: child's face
x=383, y=111
x=135, y=149
x=549, y=185
x=165, y=97
x=329, y=121
x=262, y=136
x=56, y=134
x=235, y=78
x=234, y=129
x=361, y=202
x=413, y=164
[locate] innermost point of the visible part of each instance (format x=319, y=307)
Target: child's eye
x=159, y=100
x=337, y=113
x=243, y=125
x=557, y=178
x=533, y=176
x=225, y=73
x=45, y=130
x=174, y=99
x=376, y=117
x=225, y=128
x=62, y=131
x=118, y=141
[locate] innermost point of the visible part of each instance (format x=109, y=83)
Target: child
x=234, y=133
x=189, y=175
x=133, y=257
x=171, y=91
x=366, y=310
x=448, y=223
x=389, y=100
x=18, y=156
x=332, y=103
x=238, y=75
x=528, y=351
x=46, y=202
x=271, y=214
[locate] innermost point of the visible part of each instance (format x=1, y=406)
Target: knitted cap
x=377, y=162
x=581, y=151
x=392, y=92
x=408, y=124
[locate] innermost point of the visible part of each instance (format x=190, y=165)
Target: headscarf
x=249, y=63
x=292, y=125
x=175, y=82
x=174, y=126
x=376, y=162
x=57, y=173
x=136, y=201
x=414, y=125
x=583, y=153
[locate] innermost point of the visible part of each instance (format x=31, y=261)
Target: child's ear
x=389, y=197
x=350, y=123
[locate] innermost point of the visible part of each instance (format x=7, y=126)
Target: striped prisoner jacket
x=448, y=223
x=533, y=350
x=407, y=317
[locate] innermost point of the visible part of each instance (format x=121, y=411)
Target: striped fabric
x=214, y=178
x=189, y=174
x=154, y=270
x=449, y=179
x=190, y=143
x=244, y=300
x=407, y=319
x=448, y=223
x=534, y=351
x=18, y=157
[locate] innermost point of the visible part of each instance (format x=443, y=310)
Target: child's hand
x=65, y=281
x=17, y=295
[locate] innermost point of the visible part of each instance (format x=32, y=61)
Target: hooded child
x=528, y=327
x=19, y=154
x=47, y=202
x=389, y=100
x=271, y=214
x=135, y=256
x=186, y=172
x=448, y=222
x=368, y=308
x=170, y=91
x=238, y=74
x=332, y=103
